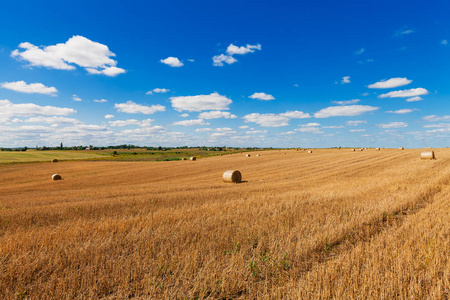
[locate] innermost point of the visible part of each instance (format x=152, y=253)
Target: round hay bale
x=184, y=158
x=193, y=158
x=378, y=149
x=258, y=155
x=361, y=149
x=309, y=151
x=401, y=148
x=54, y=160
x=427, y=155
x=353, y=150
x=247, y=155
x=232, y=176
x=56, y=177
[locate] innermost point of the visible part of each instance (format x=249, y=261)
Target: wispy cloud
x=405, y=30
x=360, y=51
x=345, y=110
x=133, y=108
x=392, y=125
x=157, y=90
x=405, y=93
x=345, y=79
x=390, y=83
x=32, y=88
x=346, y=102
x=213, y=101
x=402, y=111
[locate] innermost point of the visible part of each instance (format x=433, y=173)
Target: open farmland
x=330, y=224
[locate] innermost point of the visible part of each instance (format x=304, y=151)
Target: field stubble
x=332, y=224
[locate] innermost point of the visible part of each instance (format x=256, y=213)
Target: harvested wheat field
x=336, y=224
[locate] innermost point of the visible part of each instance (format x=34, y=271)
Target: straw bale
x=427, y=155
x=232, y=176
x=193, y=158
x=54, y=160
x=56, y=177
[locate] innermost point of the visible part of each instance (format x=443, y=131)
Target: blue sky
x=237, y=73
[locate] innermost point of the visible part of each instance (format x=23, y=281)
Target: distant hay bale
x=193, y=158
x=56, y=177
x=232, y=176
x=184, y=158
x=54, y=160
x=353, y=150
x=247, y=155
x=309, y=151
x=427, y=155
x=361, y=149
x=378, y=149
x=401, y=148
x=258, y=155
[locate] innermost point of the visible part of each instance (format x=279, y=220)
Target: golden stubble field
x=331, y=224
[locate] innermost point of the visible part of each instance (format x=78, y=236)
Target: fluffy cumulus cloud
x=77, y=51
x=9, y=109
x=194, y=122
x=157, y=90
x=311, y=129
x=256, y=132
x=343, y=111
x=122, y=123
x=53, y=120
x=218, y=60
x=392, y=125
x=212, y=101
x=274, y=120
x=434, y=118
x=100, y=100
x=32, y=88
x=309, y=125
x=355, y=123
x=133, y=108
x=262, y=96
x=174, y=62
x=405, y=93
x=346, y=102
x=109, y=116
x=76, y=98
x=228, y=58
x=390, y=83
x=414, y=99
x=345, y=79
x=216, y=114
x=357, y=130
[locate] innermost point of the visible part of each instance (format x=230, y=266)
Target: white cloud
x=434, y=118
x=9, y=109
x=76, y=98
x=256, y=131
x=345, y=79
x=390, y=83
x=218, y=60
x=213, y=101
x=346, y=102
x=157, y=90
x=401, y=111
x=172, y=61
x=78, y=50
x=101, y=100
x=355, y=123
x=365, y=94
x=405, y=93
x=334, y=126
x=267, y=120
x=393, y=125
x=360, y=51
x=232, y=49
x=357, y=130
x=53, y=120
x=414, y=99
x=262, y=96
x=132, y=108
x=109, y=116
x=369, y=60
x=216, y=114
x=403, y=31
x=203, y=130
x=444, y=42
x=309, y=129
x=122, y=123
x=287, y=133
x=310, y=125
x=295, y=114
x=32, y=88
x=184, y=115
x=439, y=125
x=346, y=110
x=243, y=127
x=195, y=122
x=228, y=58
